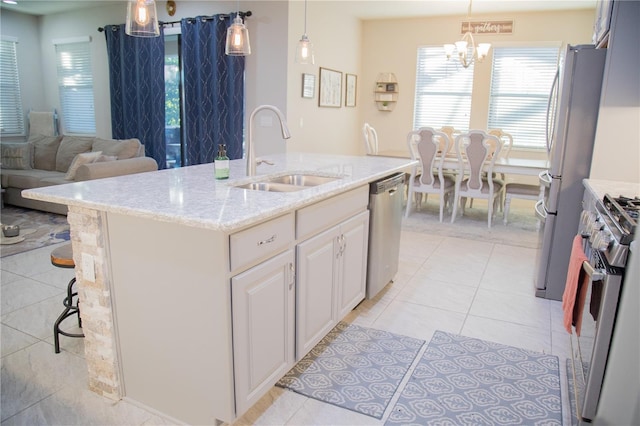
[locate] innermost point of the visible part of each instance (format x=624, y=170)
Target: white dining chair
x=370, y=139
x=477, y=152
x=428, y=146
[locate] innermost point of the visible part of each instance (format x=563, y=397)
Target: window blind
x=11, y=112
x=443, y=90
x=75, y=86
x=520, y=86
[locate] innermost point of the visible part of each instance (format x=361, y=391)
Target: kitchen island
x=197, y=295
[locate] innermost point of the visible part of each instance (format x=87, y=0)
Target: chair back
x=429, y=146
x=451, y=132
x=370, y=139
x=507, y=141
x=477, y=152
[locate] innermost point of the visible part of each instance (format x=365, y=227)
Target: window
x=11, y=113
x=75, y=85
x=520, y=86
x=443, y=90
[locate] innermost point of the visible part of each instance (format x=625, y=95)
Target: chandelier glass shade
x=467, y=50
x=142, y=19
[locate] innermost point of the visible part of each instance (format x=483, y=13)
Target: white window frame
x=444, y=90
x=75, y=85
x=521, y=79
x=12, y=121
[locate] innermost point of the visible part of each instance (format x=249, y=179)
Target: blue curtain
x=136, y=75
x=213, y=91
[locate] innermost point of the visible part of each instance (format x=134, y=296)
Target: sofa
x=56, y=160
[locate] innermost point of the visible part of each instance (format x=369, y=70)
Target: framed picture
x=308, y=85
x=330, y=94
x=391, y=87
x=351, y=86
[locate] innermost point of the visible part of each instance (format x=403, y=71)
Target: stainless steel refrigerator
x=572, y=117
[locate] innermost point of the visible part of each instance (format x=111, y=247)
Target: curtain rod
x=206, y=18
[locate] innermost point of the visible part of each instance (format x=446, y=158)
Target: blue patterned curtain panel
x=136, y=76
x=213, y=91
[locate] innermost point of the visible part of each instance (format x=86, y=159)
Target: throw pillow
x=79, y=160
x=104, y=158
x=123, y=149
x=44, y=151
x=69, y=148
x=16, y=156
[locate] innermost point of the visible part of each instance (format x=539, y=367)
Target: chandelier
x=466, y=48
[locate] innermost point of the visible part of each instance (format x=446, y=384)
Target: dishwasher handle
x=388, y=183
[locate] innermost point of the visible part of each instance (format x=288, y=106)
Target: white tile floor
x=469, y=287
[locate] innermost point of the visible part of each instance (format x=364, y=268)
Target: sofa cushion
x=27, y=179
x=69, y=148
x=79, y=160
x=123, y=149
x=17, y=155
x=44, y=151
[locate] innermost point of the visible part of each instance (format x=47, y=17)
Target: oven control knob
x=602, y=240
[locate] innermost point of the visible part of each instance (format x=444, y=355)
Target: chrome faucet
x=251, y=154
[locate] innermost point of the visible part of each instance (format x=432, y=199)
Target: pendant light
x=237, y=37
x=304, y=49
x=142, y=19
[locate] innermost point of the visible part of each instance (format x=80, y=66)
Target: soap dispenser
x=221, y=163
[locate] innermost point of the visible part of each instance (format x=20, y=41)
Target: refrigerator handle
x=541, y=214
x=550, y=118
x=545, y=178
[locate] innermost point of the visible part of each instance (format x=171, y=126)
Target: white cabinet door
x=263, y=305
x=353, y=263
x=331, y=279
x=316, y=275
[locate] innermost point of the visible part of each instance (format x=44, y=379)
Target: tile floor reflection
x=474, y=288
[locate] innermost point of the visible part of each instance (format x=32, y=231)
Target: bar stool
x=62, y=257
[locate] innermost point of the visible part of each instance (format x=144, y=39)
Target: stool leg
x=69, y=310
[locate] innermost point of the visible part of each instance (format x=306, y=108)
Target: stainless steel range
x=607, y=229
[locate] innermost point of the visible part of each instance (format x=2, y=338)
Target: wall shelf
x=386, y=91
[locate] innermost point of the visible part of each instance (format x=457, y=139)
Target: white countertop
x=192, y=196
x=600, y=187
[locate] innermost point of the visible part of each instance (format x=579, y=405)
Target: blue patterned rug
x=43, y=229
x=466, y=381
x=354, y=367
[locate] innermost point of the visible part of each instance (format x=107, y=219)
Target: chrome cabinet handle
x=268, y=240
x=292, y=275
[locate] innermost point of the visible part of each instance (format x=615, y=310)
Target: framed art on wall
x=350, y=90
x=308, y=85
x=330, y=94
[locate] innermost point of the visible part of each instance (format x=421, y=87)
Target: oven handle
x=594, y=274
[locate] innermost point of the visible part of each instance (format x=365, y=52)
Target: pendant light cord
x=305, y=17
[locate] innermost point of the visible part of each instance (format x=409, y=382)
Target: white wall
x=616, y=155
x=337, y=43
x=391, y=46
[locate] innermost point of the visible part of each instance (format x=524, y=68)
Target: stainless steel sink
x=288, y=183
x=271, y=187
x=300, y=179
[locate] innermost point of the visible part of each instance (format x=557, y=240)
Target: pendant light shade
x=304, y=48
x=237, y=39
x=304, y=51
x=142, y=19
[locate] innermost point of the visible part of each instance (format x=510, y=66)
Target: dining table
x=511, y=165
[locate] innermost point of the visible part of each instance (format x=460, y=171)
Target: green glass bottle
x=221, y=163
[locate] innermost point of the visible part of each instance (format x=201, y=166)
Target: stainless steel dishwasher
x=385, y=204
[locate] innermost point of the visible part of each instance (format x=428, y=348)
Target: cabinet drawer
x=317, y=217
x=261, y=241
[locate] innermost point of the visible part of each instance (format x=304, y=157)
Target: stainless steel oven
x=607, y=229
